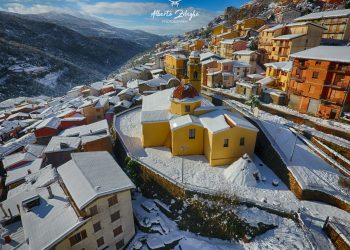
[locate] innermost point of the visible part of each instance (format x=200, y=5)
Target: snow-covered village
x=232, y=132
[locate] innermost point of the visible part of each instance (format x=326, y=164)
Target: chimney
x=29, y=171
x=3, y=210
x=50, y=192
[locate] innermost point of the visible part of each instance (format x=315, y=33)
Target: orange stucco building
x=319, y=82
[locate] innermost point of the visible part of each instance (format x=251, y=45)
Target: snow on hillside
x=50, y=80
x=286, y=235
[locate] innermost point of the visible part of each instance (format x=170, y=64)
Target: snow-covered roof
x=207, y=55
x=61, y=143
x=35, y=180
x=157, y=101
x=97, y=85
x=155, y=116
x=325, y=53
x=288, y=37
x=274, y=28
x=230, y=41
x=95, y=128
x=21, y=172
x=304, y=23
x=86, y=179
x=285, y=66
x=156, y=71
x=183, y=121
x=215, y=121
x=241, y=64
x=52, y=122
x=266, y=80
x=13, y=159
x=12, y=146
x=124, y=103
x=90, y=138
x=244, y=52
x=44, y=228
x=325, y=14
x=255, y=76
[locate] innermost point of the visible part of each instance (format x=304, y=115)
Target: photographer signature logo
x=175, y=16
x=175, y=3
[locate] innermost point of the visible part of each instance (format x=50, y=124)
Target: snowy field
x=286, y=235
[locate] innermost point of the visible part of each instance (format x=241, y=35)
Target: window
x=77, y=237
x=93, y=210
x=241, y=141
x=192, y=133
x=97, y=227
x=315, y=75
x=120, y=244
x=187, y=108
x=117, y=231
x=100, y=242
x=113, y=200
x=195, y=75
x=115, y=216
x=226, y=78
x=225, y=143
x=318, y=62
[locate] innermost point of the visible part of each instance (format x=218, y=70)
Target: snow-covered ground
x=50, y=80
x=286, y=235
x=310, y=170
x=280, y=120
x=324, y=122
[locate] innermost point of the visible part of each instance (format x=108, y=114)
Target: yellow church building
x=189, y=124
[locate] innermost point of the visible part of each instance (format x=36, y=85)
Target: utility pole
x=183, y=148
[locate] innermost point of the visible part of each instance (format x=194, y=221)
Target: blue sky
x=133, y=14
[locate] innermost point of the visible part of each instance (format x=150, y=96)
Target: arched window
x=195, y=75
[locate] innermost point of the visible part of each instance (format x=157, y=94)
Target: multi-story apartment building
x=248, y=56
x=319, y=82
x=243, y=26
x=336, y=23
x=280, y=72
x=228, y=46
x=94, y=109
x=175, y=64
x=282, y=40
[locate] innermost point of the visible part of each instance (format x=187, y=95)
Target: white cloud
x=122, y=8
x=34, y=9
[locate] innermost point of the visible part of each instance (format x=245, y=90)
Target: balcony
x=299, y=79
x=296, y=91
x=302, y=66
x=341, y=85
x=337, y=101
x=341, y=70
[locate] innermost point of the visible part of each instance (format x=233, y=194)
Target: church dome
x=185, y=91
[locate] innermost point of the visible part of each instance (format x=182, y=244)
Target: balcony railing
x=296, y=91
x=299, y=79
x=302, y=66
x=338, y=101
x=338, y=85
x=342, y=70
